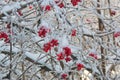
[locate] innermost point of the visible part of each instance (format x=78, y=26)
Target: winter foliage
x=59, y=40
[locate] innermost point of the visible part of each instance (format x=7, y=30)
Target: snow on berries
x=79, y=66
x=67, y=51
x=47, y=46
x=60, y=56
x=4, y=36
x=60, y=4
x=45, y=6
x=19, y=12
x=30, y=7
x=75, y=2
x=64, y=76
x=93, y=54
x=43, y=31
x=65, y=54
x=117, y=32
x=73, y=33
x=67, y=59
x=112, y=12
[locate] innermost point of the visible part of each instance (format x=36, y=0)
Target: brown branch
x=101, y=28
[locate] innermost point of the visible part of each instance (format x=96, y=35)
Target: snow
x=87, y=31
x=7, y=48
x=58, y=68
x=6, y=63
x=74, y=49
x=117, y=29
x=40, y=58
x=2, y=56
x=10, y=7
x=93, y=51
x=64, y=41
x=1, y=42
x=36, y=57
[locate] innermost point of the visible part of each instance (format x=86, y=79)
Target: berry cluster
x=4, y=36
x=116, y=34
x=19, y=12
x=30, y=7
x=75, y=2
x=93, y=55
x=65, y=54
x=64, y=76
x=79, y=66
x=52, y=43
x=61, y=5
x=47, y=8
x=113, y=13
x=43, y=31
x=73, y=32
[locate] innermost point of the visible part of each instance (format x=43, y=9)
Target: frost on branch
x=59, y=39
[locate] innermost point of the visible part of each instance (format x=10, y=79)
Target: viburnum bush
x=59, y=40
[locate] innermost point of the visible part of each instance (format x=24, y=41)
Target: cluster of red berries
x=79, y=66
x=43, y=31
x=47, y=46
x=19, y=12
x=48, y=7
x=64, y=76
x=61, y=5
x=116, y=34
x=75, y=2
x=65, y=54
x=4, y=36
x=30, y=7
x=93, y=55
x=73, y=32
x=113, y=13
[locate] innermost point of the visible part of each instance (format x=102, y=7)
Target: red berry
x=67, y=59
x=48, y=8
x=30, y=7
x=80, y=66
x=61, y=5
x=4, y=36
x=116, y=34
x=54, y=42
x=19, y=12
x=79, y=0
x=75, y=2
x=67, y=51
x=46, y=47
x=64, y=75
x=60, y=56
x=113, y=13
x=73, y=32
x=93, y=55
x=43, y=31
x=8, y=26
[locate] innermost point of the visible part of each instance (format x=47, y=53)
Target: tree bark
x=101, y=28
